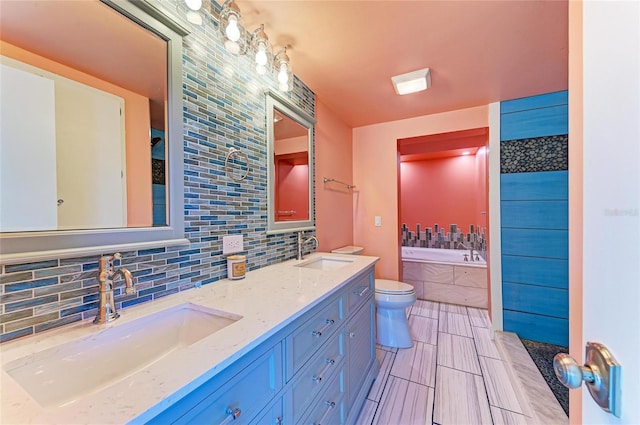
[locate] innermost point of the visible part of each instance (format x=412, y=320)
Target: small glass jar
x=236, y=266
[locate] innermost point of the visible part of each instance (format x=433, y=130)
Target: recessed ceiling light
x=466, y=153
x=412, y=82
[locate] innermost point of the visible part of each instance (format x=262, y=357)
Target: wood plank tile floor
x=453, y=374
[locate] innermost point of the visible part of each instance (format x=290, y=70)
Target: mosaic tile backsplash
x=223, y=107
x=549, y=153
x=438, y=237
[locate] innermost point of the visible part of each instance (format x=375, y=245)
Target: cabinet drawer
x=359, y=291
x=248, y=392
x=309, y=337
x=328, y=408
x=272, y=415
x=315, y=376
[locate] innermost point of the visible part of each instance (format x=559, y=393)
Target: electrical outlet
x=231, y=244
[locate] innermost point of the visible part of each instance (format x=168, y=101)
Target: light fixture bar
x=412, y=82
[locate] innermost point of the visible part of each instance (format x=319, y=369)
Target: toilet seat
x=393, y=287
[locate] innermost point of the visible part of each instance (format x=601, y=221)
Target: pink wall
x=375, y=173
x=137, y=132
x=333, y=158
x=292, y=189
x=440, y=191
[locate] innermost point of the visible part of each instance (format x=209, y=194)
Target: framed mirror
x=94, y=161
x=290, y=166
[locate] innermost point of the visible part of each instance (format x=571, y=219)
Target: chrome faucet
x=471, y=256
x=302, y=242
x=106, y=275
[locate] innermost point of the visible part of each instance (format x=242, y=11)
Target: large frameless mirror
x=92, y=150
x=290, y=166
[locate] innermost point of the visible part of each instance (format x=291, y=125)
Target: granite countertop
x=268, y=299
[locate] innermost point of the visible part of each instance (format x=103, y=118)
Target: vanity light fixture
x=239, y=41
x=233, y=33
x=261, y=47
x=412, y=82
x=283, y=69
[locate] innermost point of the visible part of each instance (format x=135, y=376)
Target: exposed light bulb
x=261, y=55
x=194, y=17
x=232, y=31
x=194, y=5
x=283, y=86
x=283, y=75
x=232, y=47
x=261, y=69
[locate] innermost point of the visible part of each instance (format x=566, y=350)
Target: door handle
x=601, y=372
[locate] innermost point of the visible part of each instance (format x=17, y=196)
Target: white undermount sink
x=325, y=263
x=60, y=375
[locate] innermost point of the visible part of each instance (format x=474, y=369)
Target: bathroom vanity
x=292, y=343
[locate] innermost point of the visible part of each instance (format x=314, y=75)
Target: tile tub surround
x=223, y=107
x=268, y=299
x=455, y=379
x=437, y=237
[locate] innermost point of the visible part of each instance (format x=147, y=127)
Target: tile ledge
x=509, y=346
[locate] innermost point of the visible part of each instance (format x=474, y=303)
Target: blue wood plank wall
x=534, y=210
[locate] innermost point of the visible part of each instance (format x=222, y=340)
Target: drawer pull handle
x=330, y=405
x=232, y=415
x=318, y=378
x=362, y=291
x=328, y=324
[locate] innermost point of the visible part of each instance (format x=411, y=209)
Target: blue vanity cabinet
x=241, y=390
x=362, y=353
x=316, y=370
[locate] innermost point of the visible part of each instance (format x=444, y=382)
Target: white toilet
x=392, y=299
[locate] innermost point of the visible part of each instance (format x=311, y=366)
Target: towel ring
x=236, y=153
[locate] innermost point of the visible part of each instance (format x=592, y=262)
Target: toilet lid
x=384, y=286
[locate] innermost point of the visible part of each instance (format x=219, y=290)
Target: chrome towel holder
x=328, y=180
x=237, y=154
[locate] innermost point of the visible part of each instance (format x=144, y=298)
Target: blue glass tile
x=12, y=268
x=21, y=286
x=16, y=334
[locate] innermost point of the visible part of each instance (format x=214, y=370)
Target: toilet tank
x=351, y=250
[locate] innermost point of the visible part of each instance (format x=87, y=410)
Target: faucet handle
x=106, y=261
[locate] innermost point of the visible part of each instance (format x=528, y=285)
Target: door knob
x=600, y=372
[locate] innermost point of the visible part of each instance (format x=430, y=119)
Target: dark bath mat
x=542, y=355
